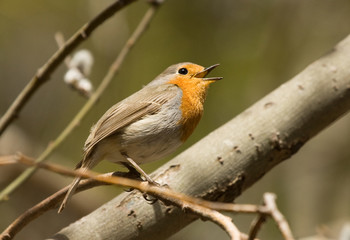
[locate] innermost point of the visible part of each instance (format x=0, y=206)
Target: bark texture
x=233, y=157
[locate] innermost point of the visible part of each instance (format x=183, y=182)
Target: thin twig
x=60, y=42
x=197, y=206
x=7, y=160
x=161, y=193
x=256, y=226
x=49, y=203
x=236, y=208
x=202, y=208
x=43, y=74
x=270, y=202
x=223, y=221
x=52, y=201
x=114, y=68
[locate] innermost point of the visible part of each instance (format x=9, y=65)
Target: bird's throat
x=191, y=107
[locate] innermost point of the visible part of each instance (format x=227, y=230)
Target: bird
x=149, y=124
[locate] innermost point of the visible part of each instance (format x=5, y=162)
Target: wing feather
x=144, y=102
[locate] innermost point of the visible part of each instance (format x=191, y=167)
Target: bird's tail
x=70, y=192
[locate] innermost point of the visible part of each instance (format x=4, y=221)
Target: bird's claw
x=149, y=200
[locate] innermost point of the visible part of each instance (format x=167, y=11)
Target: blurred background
x=259, y=44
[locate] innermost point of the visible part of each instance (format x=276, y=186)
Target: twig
x=93, y=99
x=52, y=201
x=60, y=42
x=7, y=160
x=161, y=193
x=204, y=209
x=269, y=200
x=42, y=207
x=223, y=221
x=197, y=206
x=256, y=225
x=47, y=69
x=231, y=207
x=270, y=209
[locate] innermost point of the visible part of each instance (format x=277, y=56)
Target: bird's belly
x=146, y=140
x=151, y=148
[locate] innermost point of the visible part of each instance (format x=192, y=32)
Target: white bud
x=85, y=86
x=72, y=76
x=82, y=60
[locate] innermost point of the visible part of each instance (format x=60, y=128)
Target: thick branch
x=233, y=157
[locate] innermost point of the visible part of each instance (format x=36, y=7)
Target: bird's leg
x=132, y=171
x=132, y=166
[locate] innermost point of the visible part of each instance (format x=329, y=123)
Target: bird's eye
x=183, y=71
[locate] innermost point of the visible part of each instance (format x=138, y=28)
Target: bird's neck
x=193, y=96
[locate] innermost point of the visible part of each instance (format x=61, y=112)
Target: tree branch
x=233, y=157
x=43, y=74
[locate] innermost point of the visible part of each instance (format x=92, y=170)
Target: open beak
x=205, y=72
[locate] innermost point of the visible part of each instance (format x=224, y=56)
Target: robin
x=150, y=123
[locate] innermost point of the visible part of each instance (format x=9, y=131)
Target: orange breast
x=193, y=96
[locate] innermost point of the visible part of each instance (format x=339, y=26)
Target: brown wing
x=146, y=101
